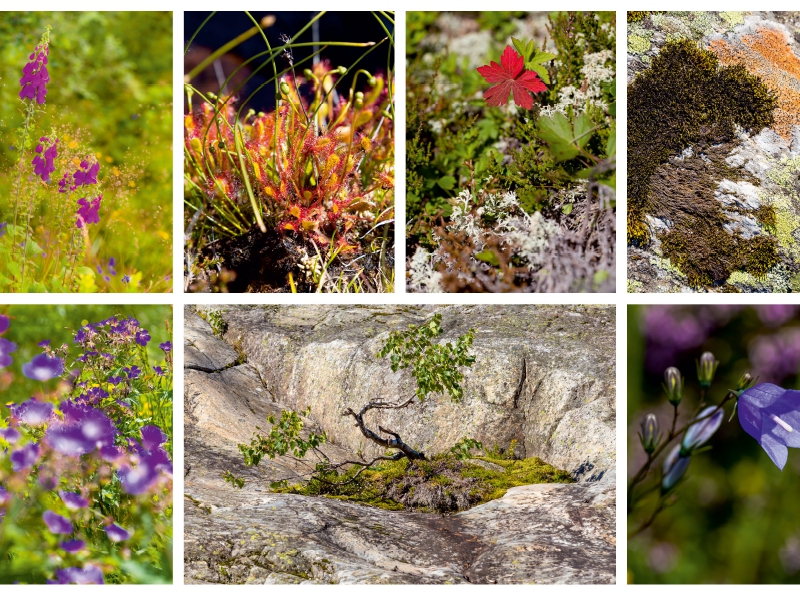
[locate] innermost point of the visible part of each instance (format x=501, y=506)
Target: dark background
x=737, y=517
x=333, y=26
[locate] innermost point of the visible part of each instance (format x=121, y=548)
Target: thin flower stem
x=28, y=119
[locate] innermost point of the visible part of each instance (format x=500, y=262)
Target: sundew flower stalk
x=86, y=463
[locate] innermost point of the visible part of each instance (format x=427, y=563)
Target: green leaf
x=487, y=256
x=447, y=182
x=557, y=133
x=611, y=144
x=536, y=63
x=583, y=126
x=520, y=47
x=566, y=209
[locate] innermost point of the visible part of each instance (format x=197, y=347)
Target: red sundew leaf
x=511, y=78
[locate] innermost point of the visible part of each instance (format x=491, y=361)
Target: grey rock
x=202, y=349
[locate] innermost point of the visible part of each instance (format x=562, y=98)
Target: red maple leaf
x=511, y=78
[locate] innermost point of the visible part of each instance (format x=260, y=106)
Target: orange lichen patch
x=767, y=55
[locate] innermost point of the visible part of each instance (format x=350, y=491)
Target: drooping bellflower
x=771, y=415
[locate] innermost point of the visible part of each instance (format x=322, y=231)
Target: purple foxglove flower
x=25, y=457
x=673, y=469
x=142, y=337
x=88, y=212
x=56, y=523
x=4, y=496
x=35, y=76
x=43, y=367
x=116, y=533
x=43, y=165
x=75, y=575
x=73, y=546
x=73, y=501
x=700, y=432
x=771, y=415
x=5, y=322
x=33, y=412
x=10, y=434
x=88, y=175
x=166, y=346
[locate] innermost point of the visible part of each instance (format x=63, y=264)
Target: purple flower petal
x=25, y=457
x=5, y=497
x=33, y=412
x=73, y=546
x=56, y=523
x=84, y=429
x=73, y=500
x=116, y=533
x=4, y=321
x=6, y=347
x=43, y=367
x=700, y=432
x=674, y=468
x=771, y=415
x=166, y=346
x=75, y=575
x=10, y=434
x=152, y=437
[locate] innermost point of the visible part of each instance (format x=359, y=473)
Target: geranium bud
x=706, y=369
x=673, y=469
x=673, y=385
x=700, y=432
x=649, y=435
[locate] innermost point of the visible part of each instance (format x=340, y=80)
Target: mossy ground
x=443, y=484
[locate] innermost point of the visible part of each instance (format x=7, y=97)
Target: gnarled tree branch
x=395, y=442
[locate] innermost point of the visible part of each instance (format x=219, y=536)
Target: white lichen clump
x=595, y=73
x=492, y=216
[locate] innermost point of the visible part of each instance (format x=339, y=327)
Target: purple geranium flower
x=73, y=546
x=33, y=412
x=25, y=457
x=73, y=500
x=75, y=575
x=4, y=496
x=133, y=372
x=166, y=346
x=43, y=367
x=6, y=347
x=87, y=175
x=114, y=380
x=43, y=164
x=44, y=343
x=35, y=76
x=4, y=320
x=56, y=523
x=10, y=434
x=142, y=337
x=117, y=533
x=159, y=371
x=88, y=212
x=771, y=415
x=84, y=429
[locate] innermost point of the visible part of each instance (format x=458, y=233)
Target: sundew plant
x=298, y=196
x=86, y=461
x=711, y=463
x=79, y=212
x=511, y=152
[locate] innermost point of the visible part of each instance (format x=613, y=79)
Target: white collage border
x=621, y=299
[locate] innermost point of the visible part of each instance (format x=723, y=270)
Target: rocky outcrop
x=551, y=533
x=544, y=375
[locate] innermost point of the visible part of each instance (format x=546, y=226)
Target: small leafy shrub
x=312, y=179
x=86, y=470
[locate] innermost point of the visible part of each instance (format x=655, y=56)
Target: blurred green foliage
x=736, y=519
x=31, y=324
x=111, y=86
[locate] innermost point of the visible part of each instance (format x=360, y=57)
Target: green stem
x=28, y=118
